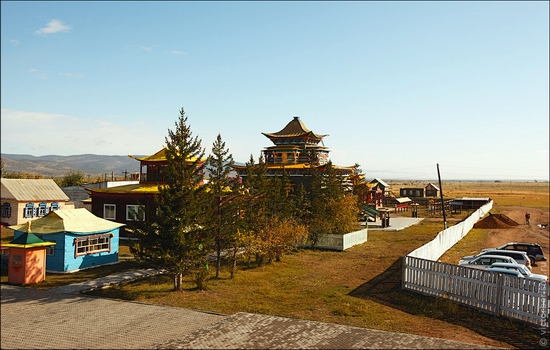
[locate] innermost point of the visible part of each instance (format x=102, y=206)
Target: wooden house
x=379, y=184
x=82, y=240
x=431, y=190
x=411, y=192
x=24, y=200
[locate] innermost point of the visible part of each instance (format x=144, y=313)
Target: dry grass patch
x=359, y=287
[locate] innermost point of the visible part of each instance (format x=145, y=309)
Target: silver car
x=519, y=257
x=505, y=271
x=485, y=261
x=522, y=269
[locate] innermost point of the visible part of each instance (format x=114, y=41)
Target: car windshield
x=524, y=270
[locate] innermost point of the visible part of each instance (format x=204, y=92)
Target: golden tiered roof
x=160, y=156
x=296, y=128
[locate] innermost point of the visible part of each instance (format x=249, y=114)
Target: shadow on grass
x=386, y=289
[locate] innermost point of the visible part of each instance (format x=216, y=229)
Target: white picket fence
x=502, y=295
x=510, y=296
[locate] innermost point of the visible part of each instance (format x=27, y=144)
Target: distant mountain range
x=58, y=166
x=91, y=165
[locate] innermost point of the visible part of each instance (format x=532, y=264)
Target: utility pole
x=442, y=201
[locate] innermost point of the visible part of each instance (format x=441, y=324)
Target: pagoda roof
x=160, y=156
x=28, y=240
x=296, y=128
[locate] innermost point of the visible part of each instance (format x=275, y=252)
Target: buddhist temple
x=295, y=149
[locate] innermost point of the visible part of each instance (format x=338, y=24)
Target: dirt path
x=524, y=233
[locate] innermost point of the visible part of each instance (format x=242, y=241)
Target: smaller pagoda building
x=135, y=202
x=295, y=150
x=27, y=258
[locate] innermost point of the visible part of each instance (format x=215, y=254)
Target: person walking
x=527, y=219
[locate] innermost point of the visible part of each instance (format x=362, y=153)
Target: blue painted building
x=82, y=239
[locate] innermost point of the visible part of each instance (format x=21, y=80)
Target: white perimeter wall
x=449, y=237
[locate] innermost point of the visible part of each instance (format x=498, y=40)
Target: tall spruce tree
x=222, y=192
x=177, y=237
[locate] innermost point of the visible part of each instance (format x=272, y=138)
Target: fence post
x=499, y=294
x=404, y=272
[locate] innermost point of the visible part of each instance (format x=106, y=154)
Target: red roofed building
x=128, y=203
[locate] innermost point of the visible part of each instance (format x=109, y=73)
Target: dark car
x=533, y=250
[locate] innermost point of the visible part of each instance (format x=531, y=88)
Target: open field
x=361, y=287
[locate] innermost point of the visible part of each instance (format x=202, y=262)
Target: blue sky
x=398, y=86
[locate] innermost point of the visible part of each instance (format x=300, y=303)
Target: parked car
x=533, y=250
x=519, y=257
x=485, y=261
x=505, y=271
x=523, y=269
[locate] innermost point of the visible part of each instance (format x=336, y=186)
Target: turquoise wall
x=63, y=259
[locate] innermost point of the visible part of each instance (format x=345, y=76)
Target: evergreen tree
x=176, y=238
x=359, y=185
x=222, y=187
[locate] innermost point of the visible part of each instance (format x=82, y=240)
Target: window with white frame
x=109, y=211
x=54, y=206
x=29, y=211
x=92, y=244
x=42, y=209
x=135, y=212
x=6, y=210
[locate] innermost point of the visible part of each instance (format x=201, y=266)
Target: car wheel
x=533, y=260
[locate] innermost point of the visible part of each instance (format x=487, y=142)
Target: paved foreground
x=56, y=320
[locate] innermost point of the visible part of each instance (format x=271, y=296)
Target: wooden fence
x=502, y=295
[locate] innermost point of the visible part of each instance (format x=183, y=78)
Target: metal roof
x=403, y=200
x=32, y=190
x=377, y=180
x=432, y=185
x=78, y=221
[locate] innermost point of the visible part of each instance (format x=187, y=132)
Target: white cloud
x=41, y=133
x=38, y=73
x=72, y=75
x=176, y=52
x=54, y=26
x=149, y=48
x=14, y=42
